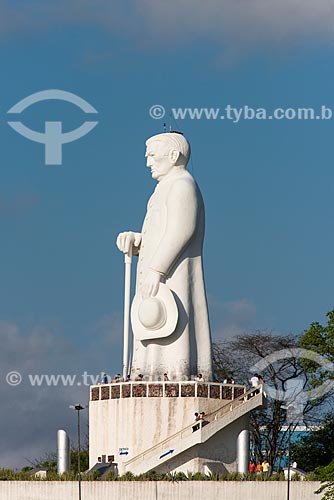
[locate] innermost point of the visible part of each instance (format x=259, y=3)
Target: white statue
x=170, y=339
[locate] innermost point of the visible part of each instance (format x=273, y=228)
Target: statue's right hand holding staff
x=127, y=240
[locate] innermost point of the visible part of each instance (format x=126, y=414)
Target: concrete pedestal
x=123, y=427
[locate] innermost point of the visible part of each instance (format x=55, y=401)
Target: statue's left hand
x=151, y=284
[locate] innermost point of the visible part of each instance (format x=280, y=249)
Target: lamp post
x=289, y=464
x=78, y=408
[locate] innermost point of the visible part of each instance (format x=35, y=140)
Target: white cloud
x=231, y=318
x=31, y=415
x=241, y=21
x=234, y=26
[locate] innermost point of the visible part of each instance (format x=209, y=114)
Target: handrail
x=164, y=382
x=231, y=404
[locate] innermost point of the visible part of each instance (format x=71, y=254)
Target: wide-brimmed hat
x=154, y=317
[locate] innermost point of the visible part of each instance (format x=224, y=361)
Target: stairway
x=186, y=438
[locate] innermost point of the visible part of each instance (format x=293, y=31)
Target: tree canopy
x=285, y=376
x=316, y=448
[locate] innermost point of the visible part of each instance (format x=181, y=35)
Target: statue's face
x=159, y=159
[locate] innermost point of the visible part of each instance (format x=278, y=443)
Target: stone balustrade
x=169, y=389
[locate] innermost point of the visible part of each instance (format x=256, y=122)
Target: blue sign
x=167, y=453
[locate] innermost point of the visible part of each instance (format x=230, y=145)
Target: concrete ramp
x=185, y=439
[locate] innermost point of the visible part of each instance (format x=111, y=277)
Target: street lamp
x=289, y=443
x=294, y=414
x=78, y=408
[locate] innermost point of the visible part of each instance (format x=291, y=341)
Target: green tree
x=324, y=473
x=316, y=448
x=236, y=356
x=49, y=461
x=328, y=490
x=84, y=460
x=320, y=338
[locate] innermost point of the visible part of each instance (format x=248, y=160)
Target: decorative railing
x=170, y=389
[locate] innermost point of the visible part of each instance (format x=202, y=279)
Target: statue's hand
x=151, y=284
x=128, y=240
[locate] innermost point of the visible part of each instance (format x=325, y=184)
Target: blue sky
x=267, y=185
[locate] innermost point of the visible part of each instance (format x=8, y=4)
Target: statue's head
x=165, y=152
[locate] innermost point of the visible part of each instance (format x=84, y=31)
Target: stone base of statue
x=143, y=426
